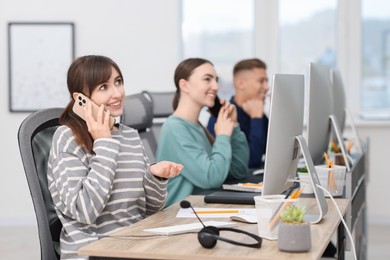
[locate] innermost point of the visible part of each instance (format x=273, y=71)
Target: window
x=221, y=31
x=293, y=33
x=375, y=87
x=308, y=34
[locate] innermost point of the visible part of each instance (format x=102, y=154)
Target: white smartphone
x=81, y=101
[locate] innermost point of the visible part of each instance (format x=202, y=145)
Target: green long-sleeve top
x=206, y=166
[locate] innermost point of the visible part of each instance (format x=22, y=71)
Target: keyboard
x=187, y=228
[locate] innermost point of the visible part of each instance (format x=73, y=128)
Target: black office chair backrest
x=138, y=114
x=35, y=136
x=162, y=109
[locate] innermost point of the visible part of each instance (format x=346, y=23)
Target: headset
x=209, y=235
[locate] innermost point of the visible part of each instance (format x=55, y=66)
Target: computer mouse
x=245, y=218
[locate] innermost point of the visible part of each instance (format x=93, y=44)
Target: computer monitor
x=321, y=118
x=285, y=123
x=285, y=141
x=320, y=102
x=339, y=99
x=340, y=110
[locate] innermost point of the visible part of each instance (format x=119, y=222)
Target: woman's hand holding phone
x=97, y=116
x=219, y=103
x=232, y=111
x=81, y=101
x=99, y=127
x=214, y=110
x=225, y=123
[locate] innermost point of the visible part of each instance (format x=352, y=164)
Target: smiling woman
x=207, y=162
x=99, y=176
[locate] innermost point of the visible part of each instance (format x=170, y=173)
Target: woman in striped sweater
x=99, y=177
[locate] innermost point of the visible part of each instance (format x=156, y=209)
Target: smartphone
x=81, y=101
x=214, y=110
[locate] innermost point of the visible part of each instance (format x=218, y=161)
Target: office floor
x=22, y=243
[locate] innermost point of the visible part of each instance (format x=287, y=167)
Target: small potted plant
x=294, y=232
x=305, y=183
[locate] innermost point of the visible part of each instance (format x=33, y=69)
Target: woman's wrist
x=157, y=177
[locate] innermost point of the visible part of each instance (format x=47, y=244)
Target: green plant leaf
x=302, y=169
x=293, y=214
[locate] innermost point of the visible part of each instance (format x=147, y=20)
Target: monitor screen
x=285, y=123
x=320, y=107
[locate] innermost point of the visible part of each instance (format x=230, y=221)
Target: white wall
x=143, y=37
x=378, y=134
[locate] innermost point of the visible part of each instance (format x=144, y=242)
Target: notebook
x=248, y=187
x=231, y=197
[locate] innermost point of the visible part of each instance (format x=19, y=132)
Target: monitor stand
x=318, y=193
x=339, y=137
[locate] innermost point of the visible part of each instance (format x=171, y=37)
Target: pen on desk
x=290, y=190
x=350, y=144
x=278, y=211
x=331, y=180
x=326, y=159
x=288, y=193
x=222, y=211
x=252, y=184
x=335, y=148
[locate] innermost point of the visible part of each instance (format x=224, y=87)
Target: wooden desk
x=186, y=246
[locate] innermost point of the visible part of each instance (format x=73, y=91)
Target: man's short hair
x=249, y=64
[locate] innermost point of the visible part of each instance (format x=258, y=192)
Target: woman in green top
x=207, y=162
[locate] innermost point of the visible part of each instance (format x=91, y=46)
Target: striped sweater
x=94, y=195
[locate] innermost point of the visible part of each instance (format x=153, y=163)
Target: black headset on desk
x=209, y=235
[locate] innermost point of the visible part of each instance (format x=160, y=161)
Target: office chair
x=34, y=137
x=162, y=109
x=138, y=114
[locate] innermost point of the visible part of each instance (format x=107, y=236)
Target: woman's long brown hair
x=84, y=75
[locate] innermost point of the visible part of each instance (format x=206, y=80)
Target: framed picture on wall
x=39, y=56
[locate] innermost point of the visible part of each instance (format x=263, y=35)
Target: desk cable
x=341, y=217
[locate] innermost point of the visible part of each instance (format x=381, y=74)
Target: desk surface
x=186, y=246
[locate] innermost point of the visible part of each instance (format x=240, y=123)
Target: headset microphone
x=209, y=235
x=185, y=204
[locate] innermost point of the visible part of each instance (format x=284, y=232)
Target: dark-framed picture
x=39, y=55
